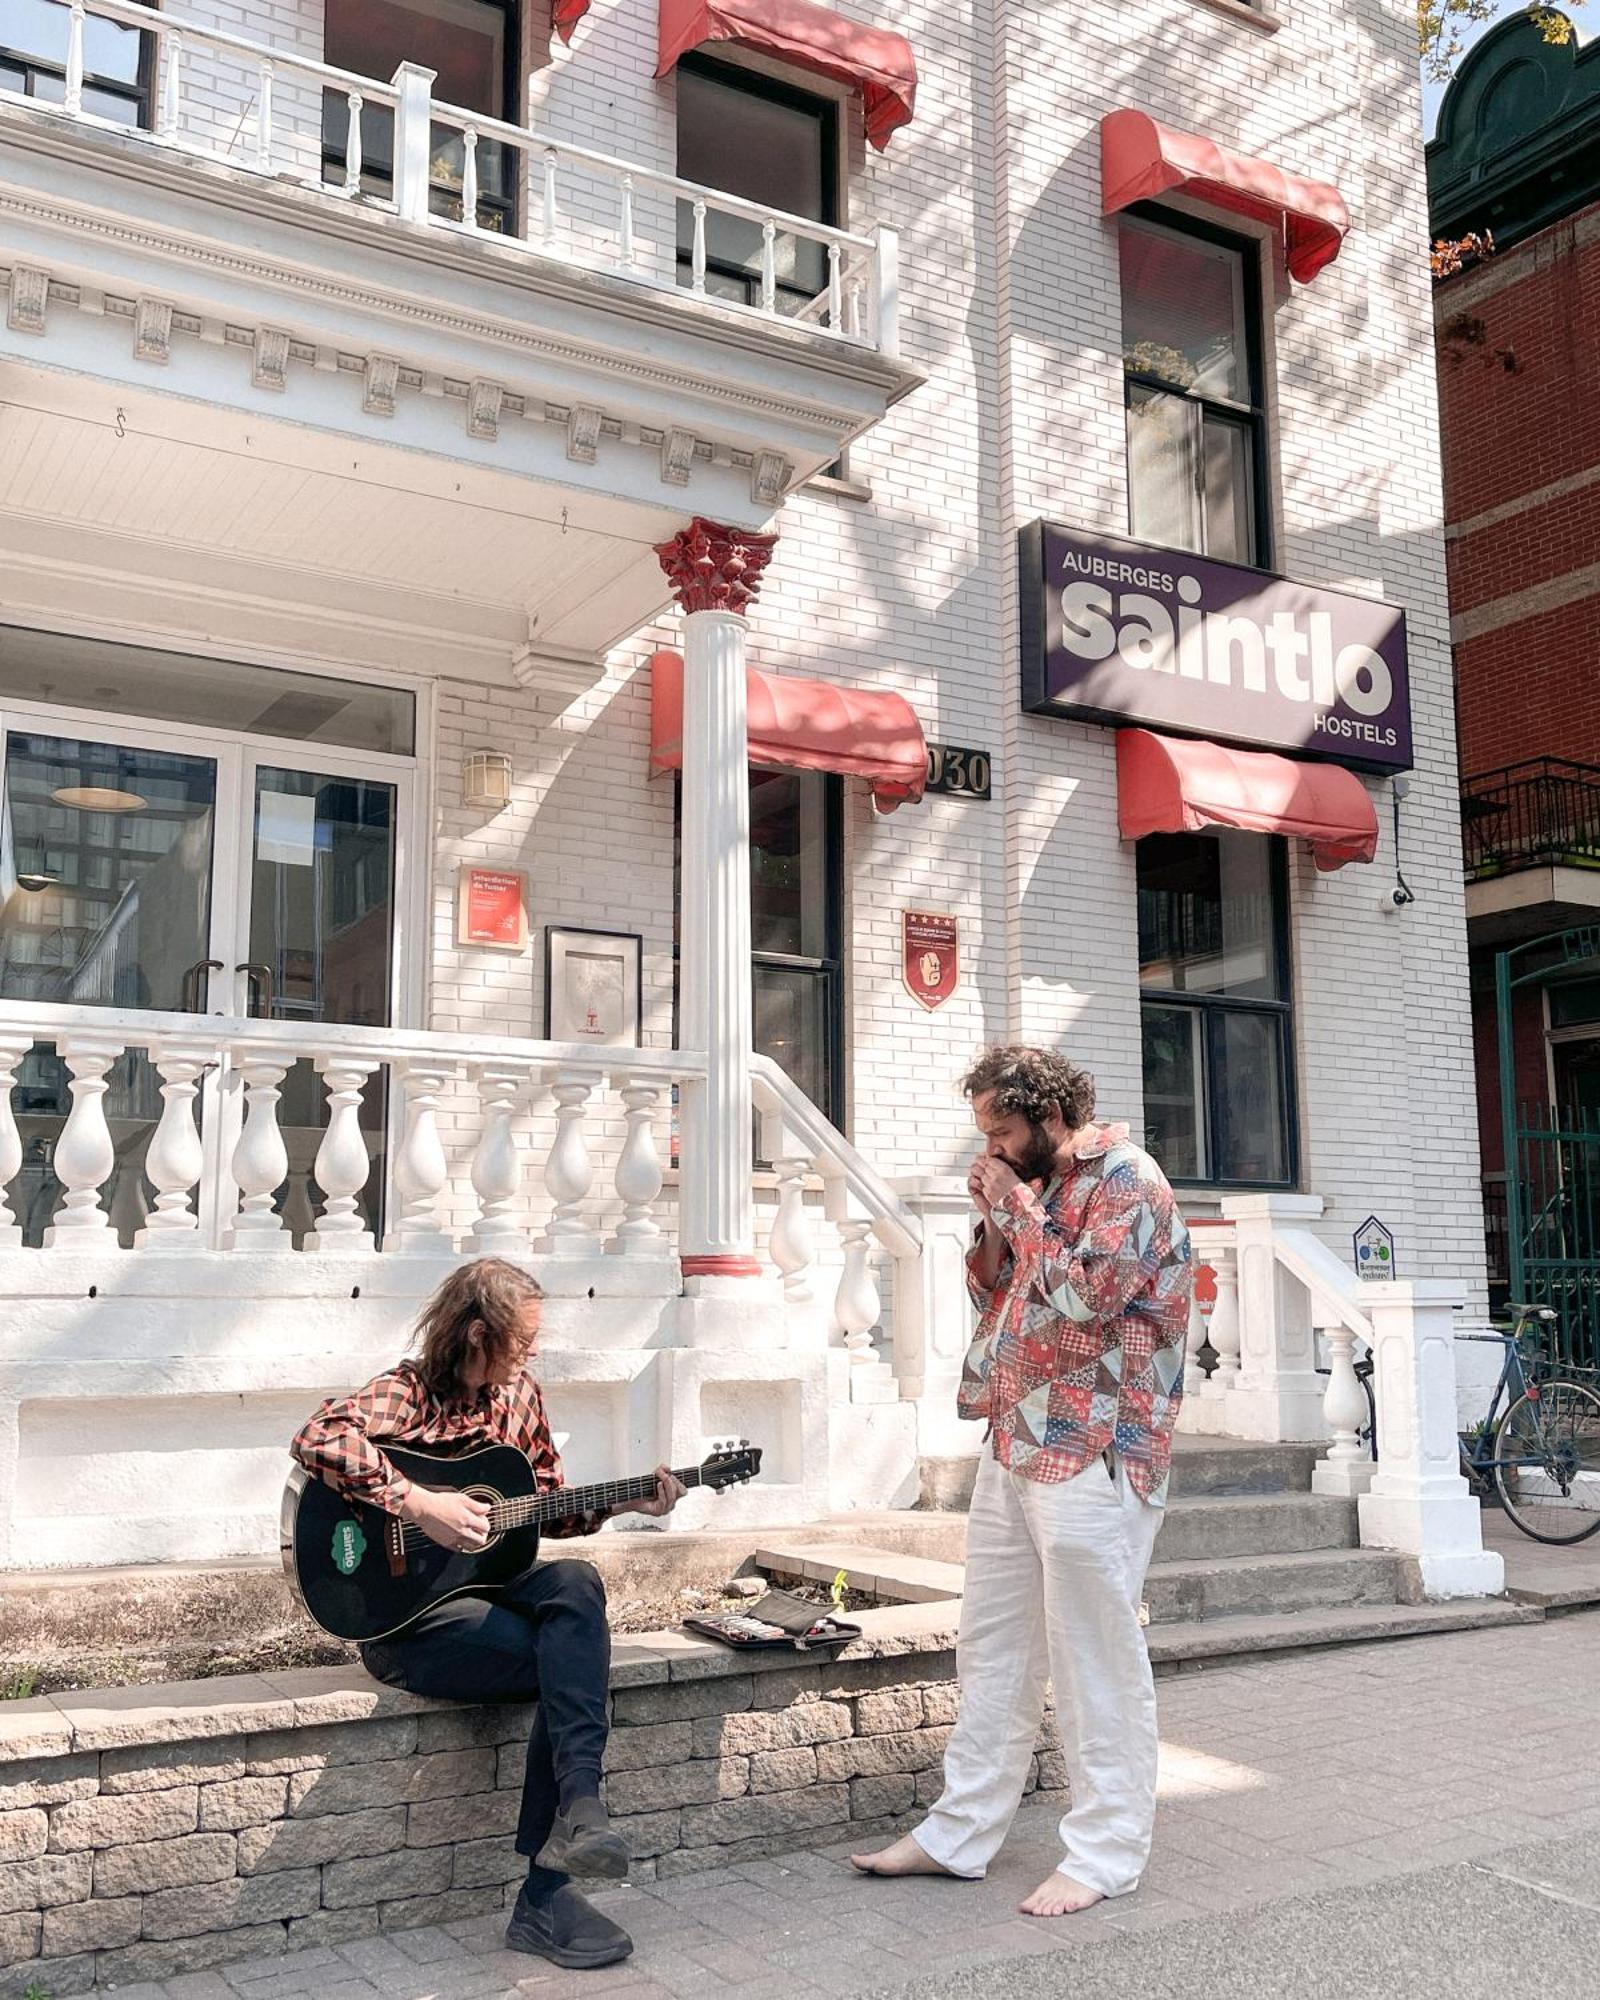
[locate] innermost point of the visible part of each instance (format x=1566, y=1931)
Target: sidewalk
x=1336, y=1771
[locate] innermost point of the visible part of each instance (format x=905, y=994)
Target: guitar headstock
x=730, y=1462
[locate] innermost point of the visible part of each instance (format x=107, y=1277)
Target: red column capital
x=713, y=568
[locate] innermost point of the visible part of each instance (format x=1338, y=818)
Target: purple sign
x=1116, y=632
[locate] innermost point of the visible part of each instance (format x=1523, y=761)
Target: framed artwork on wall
x=591, y=987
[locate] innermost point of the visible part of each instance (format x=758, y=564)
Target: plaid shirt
x=1080, y=1344
x=340, y=1444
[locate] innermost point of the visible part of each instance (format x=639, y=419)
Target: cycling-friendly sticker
x=349, y=1546
x=1374, y=1250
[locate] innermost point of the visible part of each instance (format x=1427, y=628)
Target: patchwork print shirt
x=1080, y=1344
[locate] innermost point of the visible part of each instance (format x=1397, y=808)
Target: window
x=472, y=44
x=117, y=61
x=1192, y=375
x=796, y=893
x=1215, y=1011
x=745, y=135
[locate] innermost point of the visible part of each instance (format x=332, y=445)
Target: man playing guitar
x=544, y=1636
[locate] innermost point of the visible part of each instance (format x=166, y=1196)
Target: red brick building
x=1518, y=343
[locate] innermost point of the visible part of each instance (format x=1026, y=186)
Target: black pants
x=543, y=1637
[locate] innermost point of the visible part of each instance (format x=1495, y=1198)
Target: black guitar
x=364, y=1574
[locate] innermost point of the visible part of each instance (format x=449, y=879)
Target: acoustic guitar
x=363, y=1574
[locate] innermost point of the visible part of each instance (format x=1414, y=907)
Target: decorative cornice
x=715, y=568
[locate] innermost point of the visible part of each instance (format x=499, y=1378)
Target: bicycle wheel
x=1548, y=1477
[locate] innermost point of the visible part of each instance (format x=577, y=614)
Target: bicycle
x=1542, y=1457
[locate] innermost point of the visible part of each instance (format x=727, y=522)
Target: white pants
x=1055, y=1574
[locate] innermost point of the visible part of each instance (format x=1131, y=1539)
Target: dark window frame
x=140, y=94
x=755, y=83
x=1252, y=417
x=1211, y=1007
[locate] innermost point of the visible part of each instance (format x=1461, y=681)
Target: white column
x=420, y=1167
x=342, y=1163
x=715, y=571
x=13, y=1053
x=497, y=1169
x=84, y=1155
x=1418, y=1502
x=413, y=139
x=260, y=1159
x=173, y=1160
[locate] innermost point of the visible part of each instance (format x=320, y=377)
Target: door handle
x=259, y=980
x=189, y=1001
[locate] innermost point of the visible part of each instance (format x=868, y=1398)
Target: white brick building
x=267, y=411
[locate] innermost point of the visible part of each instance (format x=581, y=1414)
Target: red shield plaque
x=930, y=956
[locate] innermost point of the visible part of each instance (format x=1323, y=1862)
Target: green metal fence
x=1556, y=1262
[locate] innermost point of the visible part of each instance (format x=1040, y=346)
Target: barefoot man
x=1081, y=1275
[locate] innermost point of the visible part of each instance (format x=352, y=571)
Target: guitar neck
x=567, y=1501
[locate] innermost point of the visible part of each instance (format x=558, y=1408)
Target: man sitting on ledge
x=544, y=1636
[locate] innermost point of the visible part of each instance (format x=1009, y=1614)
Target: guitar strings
x=555, y=1506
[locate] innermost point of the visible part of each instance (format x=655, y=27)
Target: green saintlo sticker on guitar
x=349, y=1546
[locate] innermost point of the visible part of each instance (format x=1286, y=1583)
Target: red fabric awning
x=1171, y=784
x=878, y=64
x=1140, y=160
x=798, y=725
x=565, y=16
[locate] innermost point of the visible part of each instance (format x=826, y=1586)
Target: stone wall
x=147, y=1832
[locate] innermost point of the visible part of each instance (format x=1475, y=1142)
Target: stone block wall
x=243, y=1831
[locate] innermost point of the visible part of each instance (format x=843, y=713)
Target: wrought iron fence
x=1555, y=1260
x=1544, y=810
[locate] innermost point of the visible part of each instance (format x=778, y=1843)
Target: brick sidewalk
x=1306, y=1773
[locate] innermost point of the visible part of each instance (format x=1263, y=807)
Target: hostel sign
x=1116, y=632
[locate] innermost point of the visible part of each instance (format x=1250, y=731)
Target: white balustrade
x=174, y=1160
x=84, y=1154
x=343, y=1163
x=497, y=1167
x=421, y=1170
x=857, y=1307
x=72, y=96
x=13, y=1051
x=260, y=1159
x=569, y=1171
x=1194, y=1374
x=171, y=88
x=639, y=1175
x=1347, y=1468
x=264, y=119
x=791, y=1242
x=1223, y=1329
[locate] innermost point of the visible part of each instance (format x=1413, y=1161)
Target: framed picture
x=492, y=908
x=591, y=987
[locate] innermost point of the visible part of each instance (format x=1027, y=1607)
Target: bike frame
x=1515, y=1381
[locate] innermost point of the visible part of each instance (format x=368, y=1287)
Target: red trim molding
x=723, y=1266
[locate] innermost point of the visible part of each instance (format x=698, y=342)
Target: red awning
x=1171, y=784
x=801, y=725
x=1140, y=160
x=878, y=64
x=565, y=16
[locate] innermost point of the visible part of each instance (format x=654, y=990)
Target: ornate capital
x=713, y=568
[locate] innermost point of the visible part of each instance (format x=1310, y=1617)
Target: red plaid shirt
x=1080, y=1344
x=341, y=1443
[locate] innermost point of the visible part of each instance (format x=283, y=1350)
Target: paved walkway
x=1321, y=1776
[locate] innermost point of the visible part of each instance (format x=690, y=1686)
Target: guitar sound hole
x=495, y=1500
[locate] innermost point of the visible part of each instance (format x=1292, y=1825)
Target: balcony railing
x=1540, y=813
x=553, y=201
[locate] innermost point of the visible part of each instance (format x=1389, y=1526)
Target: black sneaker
x=566, y=1928
x=584, y=1842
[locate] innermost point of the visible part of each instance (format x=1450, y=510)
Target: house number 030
x=966, y=773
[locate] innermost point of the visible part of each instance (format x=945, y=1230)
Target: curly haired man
x=1080, y=1270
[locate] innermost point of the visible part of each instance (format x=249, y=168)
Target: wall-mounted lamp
x=486, y=779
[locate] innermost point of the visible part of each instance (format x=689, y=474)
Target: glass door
x=108, y=854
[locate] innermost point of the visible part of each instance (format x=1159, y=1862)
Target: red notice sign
x=930, y=956
x=492, y=908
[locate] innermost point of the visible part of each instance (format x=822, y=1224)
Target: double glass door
x=141, y=871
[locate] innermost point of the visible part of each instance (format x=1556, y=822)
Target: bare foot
x=904, y=1858
x=1059, y=1896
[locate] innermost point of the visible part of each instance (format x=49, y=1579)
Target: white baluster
x=1194, y=1375
x=299, y=1214
x=469, y=179
x=260, y=1159
x=1224, y=1328
x=174, y=1161
x=569, y=1172
x=420, y=1167
x=1348, y=1467
x=835, y=292
x=625, y=231
x=172, y=88
x=639, y=1175
x=342, y=1163
x=84, y=1154
x=697, y=267
x=72, y=101
x=352, y=146
x=791, y=1243
x=855, y=316
x=13, y=1052
x=264, y=120
x=497, y=1169
x=550, y=218
x=856, y=1307
x=769, y=266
